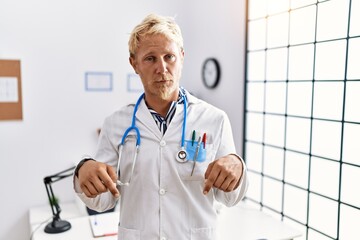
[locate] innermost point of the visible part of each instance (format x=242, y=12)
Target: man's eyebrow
x=149, y=53
x=164, y=52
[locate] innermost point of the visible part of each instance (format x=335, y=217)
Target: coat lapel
x=144, y=117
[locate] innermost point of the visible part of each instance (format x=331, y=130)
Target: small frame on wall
x=10, y=90
x=99, y=81
x=134, y=83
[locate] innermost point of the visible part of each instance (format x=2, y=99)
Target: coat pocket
x=128, y=234
x=206, y=157
x=203, y=233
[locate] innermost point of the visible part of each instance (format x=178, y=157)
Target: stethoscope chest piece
x=181, y=156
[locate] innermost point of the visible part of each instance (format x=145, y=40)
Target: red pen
x=109, y=234
x=204, y=139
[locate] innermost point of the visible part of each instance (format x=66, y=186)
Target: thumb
x=112, y=187
x=208, y=183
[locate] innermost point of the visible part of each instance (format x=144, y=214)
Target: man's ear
x=132, y=62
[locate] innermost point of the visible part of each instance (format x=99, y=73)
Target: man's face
x=159, y=61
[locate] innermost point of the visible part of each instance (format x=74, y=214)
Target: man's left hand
x=224, y=174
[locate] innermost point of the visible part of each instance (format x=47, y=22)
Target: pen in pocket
x=193, y=138
x=196, y=155
x=204, y=140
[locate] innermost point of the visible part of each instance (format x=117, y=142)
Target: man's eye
x=149, y=59
x=170, y=58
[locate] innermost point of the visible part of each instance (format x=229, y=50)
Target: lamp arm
x=57, y=225
x=55, y=208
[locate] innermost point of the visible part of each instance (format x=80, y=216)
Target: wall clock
x=211, y=72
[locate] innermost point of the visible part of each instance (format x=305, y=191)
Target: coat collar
x=191, y=99
x=144, y=116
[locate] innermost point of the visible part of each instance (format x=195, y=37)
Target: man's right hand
x=96, y=178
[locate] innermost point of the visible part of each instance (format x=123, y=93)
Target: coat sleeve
x=227, y=147
x=107, y=153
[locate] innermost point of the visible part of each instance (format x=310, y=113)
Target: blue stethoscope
x=181, y=155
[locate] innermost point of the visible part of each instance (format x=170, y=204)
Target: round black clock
x=211, y=72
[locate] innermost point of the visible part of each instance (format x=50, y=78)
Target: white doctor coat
x=163, y=201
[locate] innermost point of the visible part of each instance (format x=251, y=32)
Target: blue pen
x=196, y=155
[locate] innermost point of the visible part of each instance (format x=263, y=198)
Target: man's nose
x=161, y=66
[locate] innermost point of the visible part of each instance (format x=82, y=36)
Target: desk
x=243, y=222
x=237, y=223
x=71, y=212
x=80, y=229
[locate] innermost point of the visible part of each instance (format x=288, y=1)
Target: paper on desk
x=105, y=224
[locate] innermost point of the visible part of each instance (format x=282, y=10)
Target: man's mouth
x=164, y=80
x=166, y=77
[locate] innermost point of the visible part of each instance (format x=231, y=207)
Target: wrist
x=80, y=165
x=238, y=158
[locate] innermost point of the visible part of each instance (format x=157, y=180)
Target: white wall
x=57, y=42
x=217, y=29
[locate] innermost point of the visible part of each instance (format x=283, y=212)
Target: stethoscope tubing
x=184, y=123
x=133, y=126
x=138, y=139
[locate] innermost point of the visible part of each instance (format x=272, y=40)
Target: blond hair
x=155, y=24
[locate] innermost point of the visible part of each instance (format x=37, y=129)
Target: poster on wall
x=99, y=81
x=10, y=90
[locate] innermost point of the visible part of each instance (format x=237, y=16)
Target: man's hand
x=96, y=178
x=224, y=174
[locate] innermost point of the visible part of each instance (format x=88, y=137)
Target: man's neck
x=160, y=105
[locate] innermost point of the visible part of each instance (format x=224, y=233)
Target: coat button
x=162, y=143
x=162, y=191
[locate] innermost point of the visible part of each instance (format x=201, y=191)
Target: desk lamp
x=57, y=225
